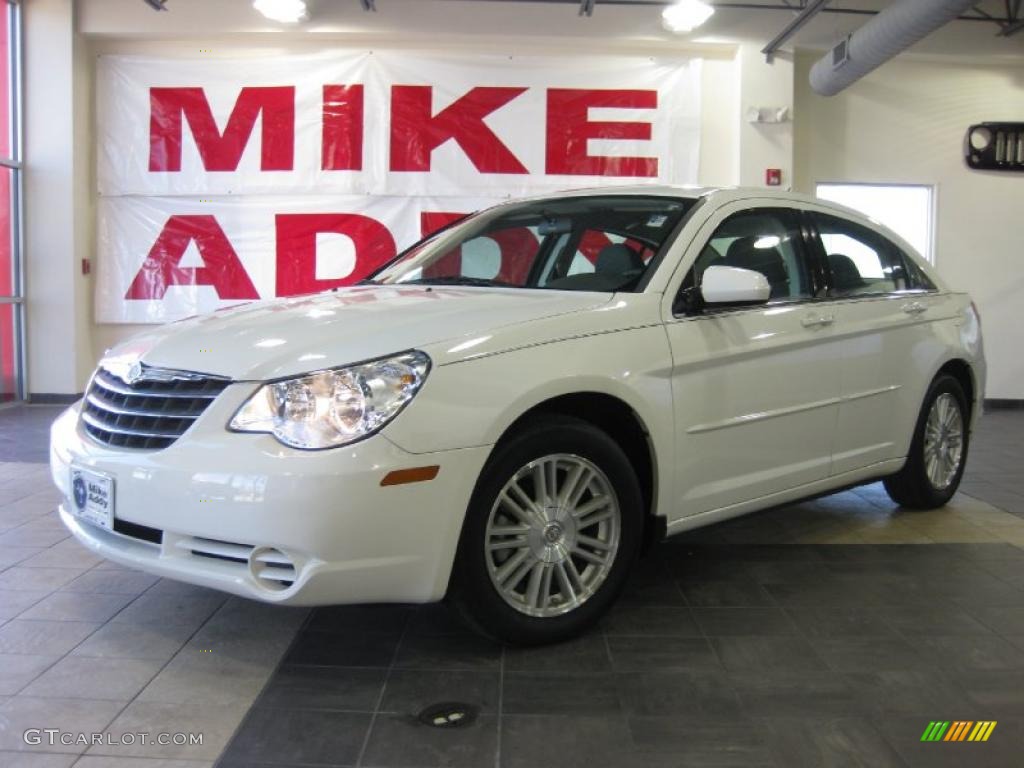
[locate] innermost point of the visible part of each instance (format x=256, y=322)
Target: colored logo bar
x=958, y=730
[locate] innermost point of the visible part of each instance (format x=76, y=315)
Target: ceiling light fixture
x=284, y=11
x=686, y=15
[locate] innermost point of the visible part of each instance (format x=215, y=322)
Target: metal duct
x=893, y=30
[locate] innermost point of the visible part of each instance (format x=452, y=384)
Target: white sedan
x=512, y=409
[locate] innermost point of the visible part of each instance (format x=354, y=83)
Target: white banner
x=245, y=142
x=166, y=258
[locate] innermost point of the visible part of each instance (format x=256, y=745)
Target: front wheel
x=938, y=452
x=550, y=533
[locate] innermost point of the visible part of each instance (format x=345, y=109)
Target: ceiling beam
x=810, y=10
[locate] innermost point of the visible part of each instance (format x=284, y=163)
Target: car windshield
x=604, y=243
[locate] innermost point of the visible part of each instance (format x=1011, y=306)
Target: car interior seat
x=845, y=275
x=742, y=253
x=618, y=259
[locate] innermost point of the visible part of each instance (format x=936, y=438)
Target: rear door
x=881, y=312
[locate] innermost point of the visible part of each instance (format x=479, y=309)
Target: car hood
x=266, y=340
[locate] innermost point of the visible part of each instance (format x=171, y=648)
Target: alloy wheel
x=552, y=535
x=943, y=441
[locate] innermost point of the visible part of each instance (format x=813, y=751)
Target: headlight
x=334, y=407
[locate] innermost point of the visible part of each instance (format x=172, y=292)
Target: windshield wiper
x=458, y=280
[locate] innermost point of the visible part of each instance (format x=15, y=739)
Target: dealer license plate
x=92, y=497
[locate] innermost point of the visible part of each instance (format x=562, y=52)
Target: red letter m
x=222, y=152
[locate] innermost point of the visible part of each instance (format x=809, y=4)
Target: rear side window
x=860, y=261
x=765, y=240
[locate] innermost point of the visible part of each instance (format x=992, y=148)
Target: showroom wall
x=866, y=134
x=60, y=117
x=905, y=123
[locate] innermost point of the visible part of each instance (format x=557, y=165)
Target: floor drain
x=448, y=714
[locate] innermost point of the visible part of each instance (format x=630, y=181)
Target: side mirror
x=732, y=285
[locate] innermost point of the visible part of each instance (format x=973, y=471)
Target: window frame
x=900, y=258
x=794, y=220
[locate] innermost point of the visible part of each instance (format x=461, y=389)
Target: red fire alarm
x=773, y=177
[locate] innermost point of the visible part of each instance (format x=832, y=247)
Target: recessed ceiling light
x=686, y=15
x=284, y=11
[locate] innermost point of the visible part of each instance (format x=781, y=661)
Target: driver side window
x=765, y=240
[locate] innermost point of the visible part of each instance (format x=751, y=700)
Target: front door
x=755, y=389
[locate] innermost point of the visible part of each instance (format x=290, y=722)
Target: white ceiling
x=635, y=22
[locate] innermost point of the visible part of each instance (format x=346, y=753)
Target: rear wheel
x=550, y=534
x=938, y=452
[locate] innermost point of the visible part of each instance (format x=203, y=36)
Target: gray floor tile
x=19, y=669
x=12, y=555
x=170, y=609
x=890, y=691
x=409, y=691
x=703, y=741
x=37, y=760
x=14, y=603
x=135, y=641
x=778, y=653
x=820, y=621
x=19, y=577
x=50, y=638
x=404, y=741
x=215, y=721
x=626, y=619
x=633, y=654
x=771, y=693
x=337, y=649
x=824, y=743
x=355, y=689
x=80, y=677
x=588, y=653
x=967, y=654
x=108, y=761
x=903, y=732
x=69, y=715
x=733, y=592
x=721, y=622
x=300, y=736
x=678, y=694
x=447, y=652
x=865, y=653
x=529, y=741
x=107, y=582
x=70, y=606
x=207, y=679
x=543, y=693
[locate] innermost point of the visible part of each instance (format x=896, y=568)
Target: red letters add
x=223, y=270
x=222, y=152
x=342, y=147
x=416, y=132
x=296, y=249
x=570, y=128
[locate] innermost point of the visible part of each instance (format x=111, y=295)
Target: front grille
x=152, y=411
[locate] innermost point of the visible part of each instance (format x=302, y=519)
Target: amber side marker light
x=414, y=475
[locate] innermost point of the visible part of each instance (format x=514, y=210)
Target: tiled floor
x=825, y=633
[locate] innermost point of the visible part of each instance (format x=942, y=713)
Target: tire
x=924, y=485
x=553, y=592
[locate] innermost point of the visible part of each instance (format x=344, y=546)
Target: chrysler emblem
x=134, y=374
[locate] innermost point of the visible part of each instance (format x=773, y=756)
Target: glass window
x=11, y=307
x=765, y=240
x=860, y=261
x=906, y=209
x=570, y=244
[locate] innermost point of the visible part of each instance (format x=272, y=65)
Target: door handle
x=817, y=321
x=914, y=308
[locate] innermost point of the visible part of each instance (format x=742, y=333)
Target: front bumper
x=231, y=508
